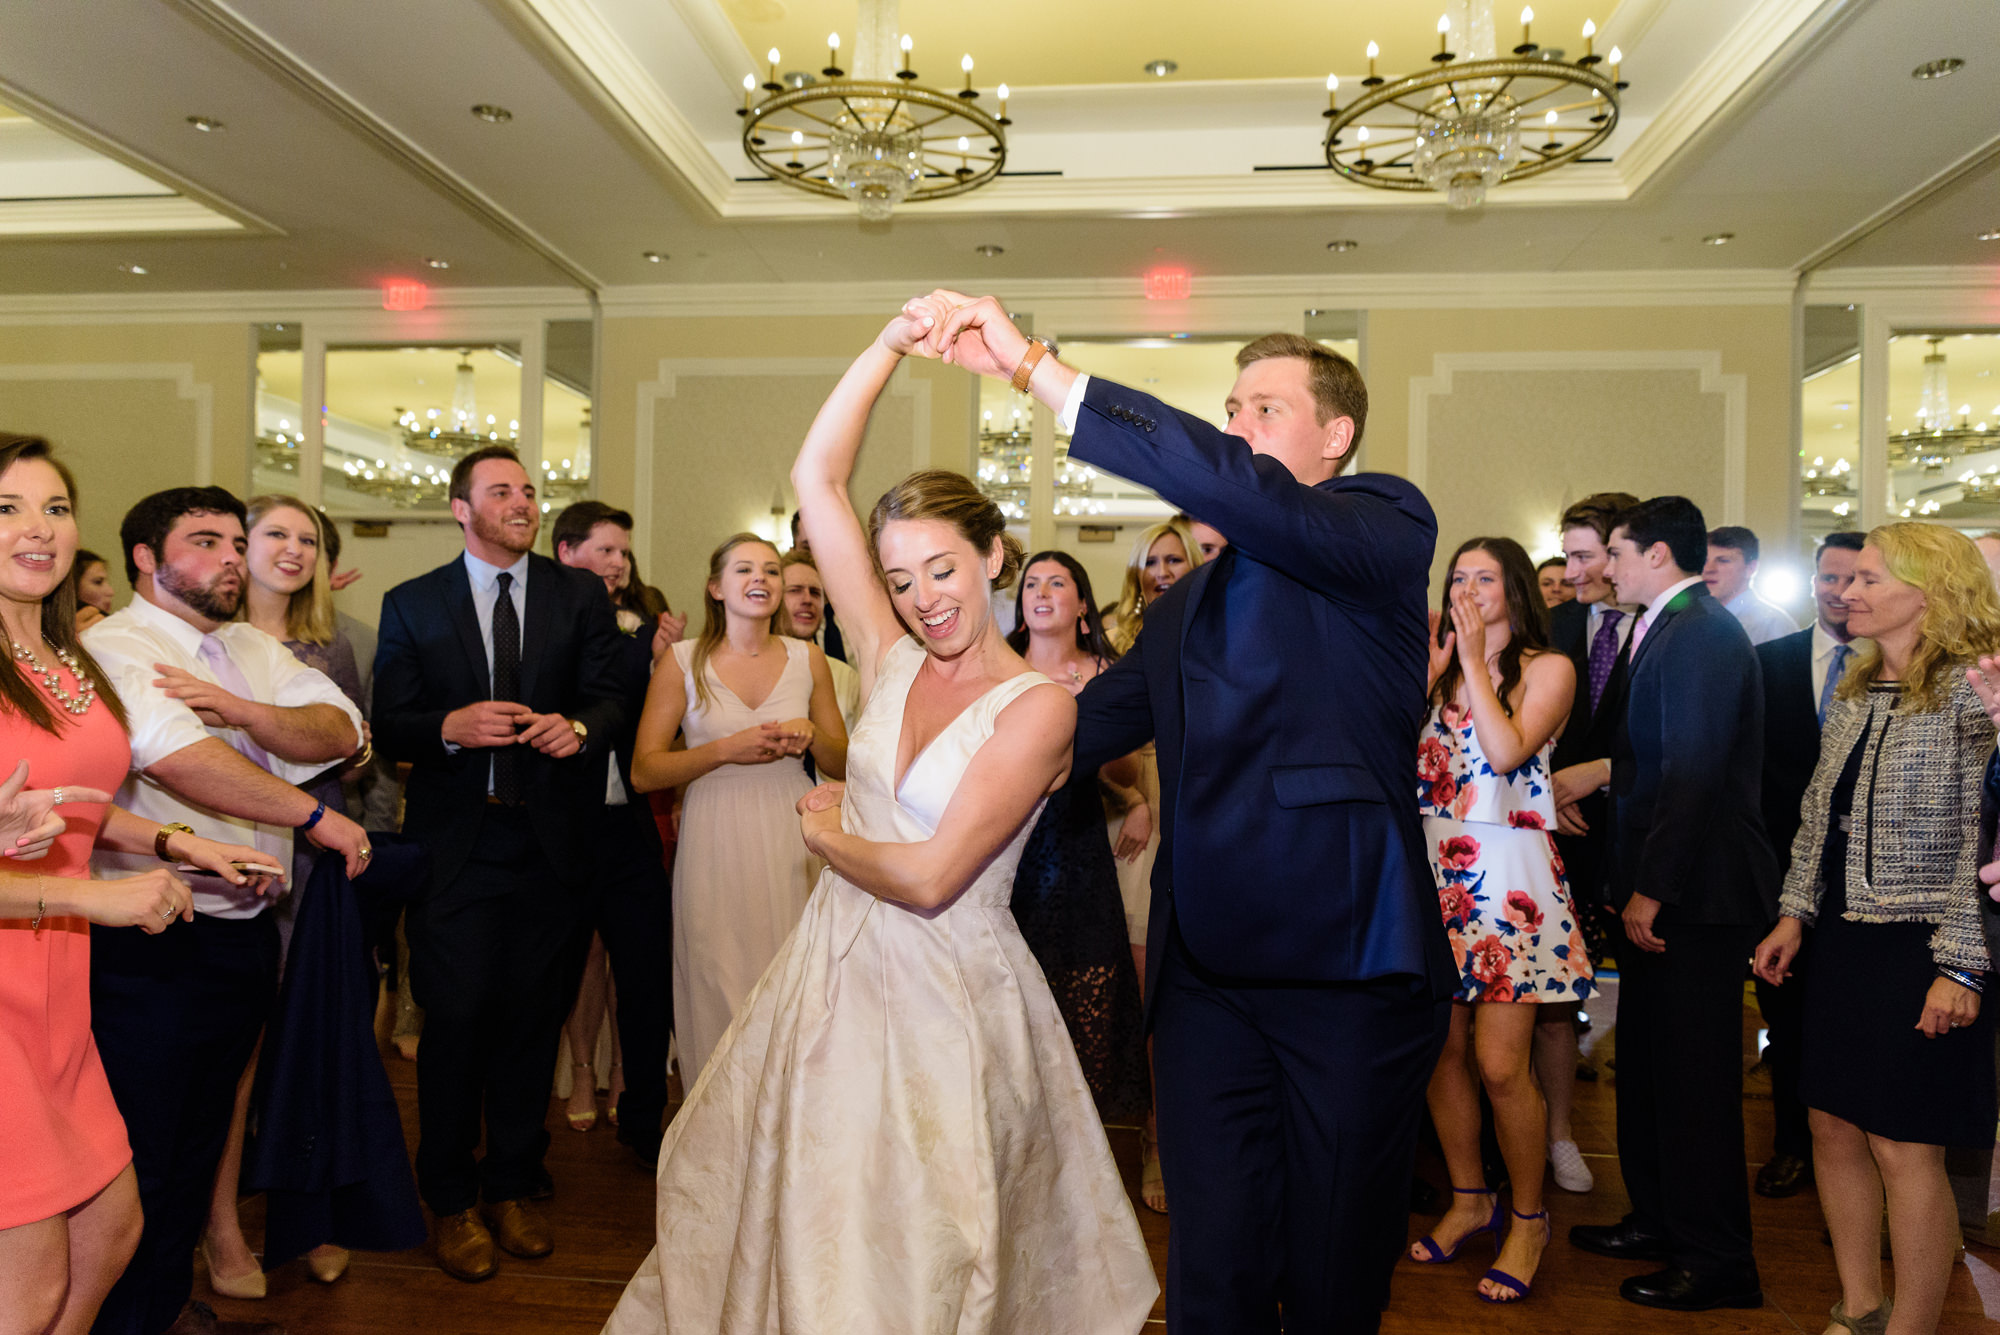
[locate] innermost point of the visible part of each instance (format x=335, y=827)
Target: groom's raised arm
x=1355, y=544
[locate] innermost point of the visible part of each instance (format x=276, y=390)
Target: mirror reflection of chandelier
x=1461, y=128
x=457, y=431
x=877, y=137
x=1006, y=469
x=1941, y=434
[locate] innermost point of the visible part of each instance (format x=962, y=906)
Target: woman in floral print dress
x=1499, y=695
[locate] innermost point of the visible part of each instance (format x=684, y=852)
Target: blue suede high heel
x=1438, y=1255
x=1518, y=1289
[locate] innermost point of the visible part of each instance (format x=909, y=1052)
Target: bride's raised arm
x=820, y=475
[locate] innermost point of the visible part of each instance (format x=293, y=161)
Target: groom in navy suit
x=1297, y=968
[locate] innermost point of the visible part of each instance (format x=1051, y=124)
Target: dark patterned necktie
x=1603, y=653
x=509, y=784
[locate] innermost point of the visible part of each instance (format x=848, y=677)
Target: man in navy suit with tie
x=1297, y=968
x=496, y=677
x=1801, y=671
x=1695, y=886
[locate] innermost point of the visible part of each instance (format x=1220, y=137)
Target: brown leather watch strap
x=1037, y=349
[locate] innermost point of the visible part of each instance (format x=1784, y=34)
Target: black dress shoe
x=543, y=1187
x=1679, y=1290
x=1783, y=1175
x=1623, y=1241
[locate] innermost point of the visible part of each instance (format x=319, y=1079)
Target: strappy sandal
x=1875, y=1323
x=1519, y=1289
x=1437, y=1255
x=586, y=1120
x=1152, y=1185
x=616, y=1088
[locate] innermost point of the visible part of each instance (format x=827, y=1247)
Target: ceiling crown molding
x=265, y=307
x=142, y=215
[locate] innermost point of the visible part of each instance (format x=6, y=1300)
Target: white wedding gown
x=894, y=1135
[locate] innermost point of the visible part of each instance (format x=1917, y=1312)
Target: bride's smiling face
x=940, y=584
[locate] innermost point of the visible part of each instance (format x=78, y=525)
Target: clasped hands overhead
x=973, y=332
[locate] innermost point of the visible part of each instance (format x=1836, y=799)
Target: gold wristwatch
x=167, y=832
x=582, y=733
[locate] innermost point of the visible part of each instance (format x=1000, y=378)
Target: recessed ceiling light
x=1342, y=246
x=491, y=114
x=1990, y=234
x=206, y=124
x=654, y=257
x=1718, y=239
x=990, y=251
x=1938, y=69
x=132, y=268
x=1160, y=69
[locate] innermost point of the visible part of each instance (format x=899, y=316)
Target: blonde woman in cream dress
x=894, y=1137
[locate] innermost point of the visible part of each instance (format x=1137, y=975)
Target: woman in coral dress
x=895, y=1137
x=1499, y=695
x=69, y=1204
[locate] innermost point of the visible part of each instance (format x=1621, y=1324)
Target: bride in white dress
x=894, y=1135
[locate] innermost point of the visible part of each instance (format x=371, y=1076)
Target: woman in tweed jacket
x=1898, y=1058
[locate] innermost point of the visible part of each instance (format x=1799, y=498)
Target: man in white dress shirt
x=1801, y=671
x=224, y=721
x=805, y=614
x=1732, y=564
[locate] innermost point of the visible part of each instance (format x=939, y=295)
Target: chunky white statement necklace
x=86, y=689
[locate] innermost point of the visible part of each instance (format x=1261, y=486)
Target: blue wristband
x=313, y=819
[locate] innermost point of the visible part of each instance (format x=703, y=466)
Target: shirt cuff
x=1072, y=404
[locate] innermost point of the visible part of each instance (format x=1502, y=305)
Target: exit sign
x=403, y=294
x=1166, y=284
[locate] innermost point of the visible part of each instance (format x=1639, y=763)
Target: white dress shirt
x=126, y=645
x=1659, y=605
x=1623, y=629
x=1823, y=646
x=485, y=581
x=1762, y=620
x=1072, y=404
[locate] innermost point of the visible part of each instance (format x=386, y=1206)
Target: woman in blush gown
x=747, y=697
x=895, y=1136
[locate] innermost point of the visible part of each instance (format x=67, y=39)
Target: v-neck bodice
x=876, y=808
x=725, y=713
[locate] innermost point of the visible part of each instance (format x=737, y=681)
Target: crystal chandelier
x=1942, y=435
x=1460, y=129
x=878, y=138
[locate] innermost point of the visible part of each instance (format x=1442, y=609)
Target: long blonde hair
x=715, y=619
x=1960, y=620
x=1131, y=609
x=309, y=612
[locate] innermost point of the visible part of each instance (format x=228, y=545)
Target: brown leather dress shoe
x=465, y=1248
x=519, y=1227
x=198, y=1318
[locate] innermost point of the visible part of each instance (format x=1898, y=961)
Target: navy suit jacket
x=1284, y=682
x=1687, y=772
x=431, y=659
x=1589, y=735
x=1791, y=735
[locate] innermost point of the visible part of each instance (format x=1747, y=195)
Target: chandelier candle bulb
x=1616, y=57
x=1332, y=93
x=1373, y=79
x=749, y=93
x=771, y=82
x=1527, y=40
x=906, y=72
x=1444, y=39
x=1590, y=56
x=1003, y=105
x=833, y=70
x=965, y=64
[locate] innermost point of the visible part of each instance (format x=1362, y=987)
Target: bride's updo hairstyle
x=950, y=498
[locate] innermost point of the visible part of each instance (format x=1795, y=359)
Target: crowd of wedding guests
x=557, y=817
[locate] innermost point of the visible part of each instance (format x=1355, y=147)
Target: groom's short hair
x=1337, y=387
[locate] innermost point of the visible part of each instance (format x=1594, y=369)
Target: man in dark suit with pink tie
x=1297, y=968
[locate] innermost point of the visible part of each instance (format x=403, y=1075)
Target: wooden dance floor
x=603, y=1219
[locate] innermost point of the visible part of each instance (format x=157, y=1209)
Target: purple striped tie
x=230, y=678
x=1603, y=653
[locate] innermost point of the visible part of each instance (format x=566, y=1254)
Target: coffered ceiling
x=348, y=154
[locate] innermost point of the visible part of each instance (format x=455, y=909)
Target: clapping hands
x=766, y=742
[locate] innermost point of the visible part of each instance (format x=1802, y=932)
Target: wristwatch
x=582, y=733
x=1038, y=348
x=167, y=832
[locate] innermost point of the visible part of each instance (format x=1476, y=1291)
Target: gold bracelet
x=41, y=905
x=167, y=832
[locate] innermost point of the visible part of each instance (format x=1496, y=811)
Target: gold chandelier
x=878, y=138
x=1461, y=128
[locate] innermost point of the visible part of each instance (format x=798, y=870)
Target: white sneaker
x=1572, y=1173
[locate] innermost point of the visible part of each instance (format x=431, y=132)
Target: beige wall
x=132, y=409
x=699, y=420
x=1523, y=410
